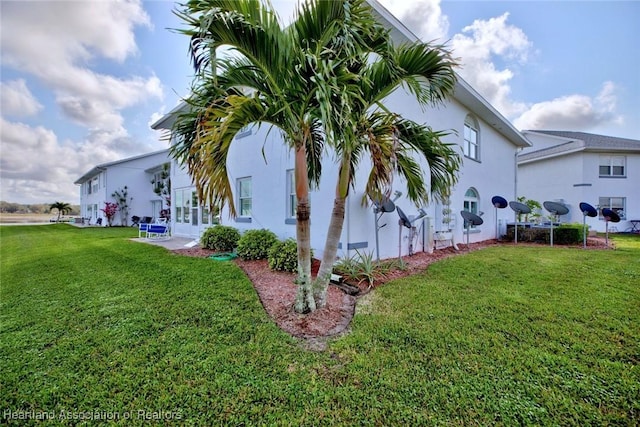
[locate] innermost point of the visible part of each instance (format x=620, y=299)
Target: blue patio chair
x=157, y=232
x=143, y=229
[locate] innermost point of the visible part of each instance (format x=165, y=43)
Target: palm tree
x=391, y=142
x=63, y=208
x=278, y=79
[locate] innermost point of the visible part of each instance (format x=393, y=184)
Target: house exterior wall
x=574, y=178
x=493, y=175
x=133, y=173
x=91, y=198
x=559, y=179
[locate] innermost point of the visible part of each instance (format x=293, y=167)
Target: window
x=616, y=204
x=291, y=194
x=186, y=203
x=88, y=185
x=612, y=166
x=471, y=139
x=471, y=202
x=178, y=206
x=158, y=182
x=194, y=208
x=182, y=204
x=244, y=196
x=94, y=185
x=205, y=214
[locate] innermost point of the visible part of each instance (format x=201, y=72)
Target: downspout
x=515, y=181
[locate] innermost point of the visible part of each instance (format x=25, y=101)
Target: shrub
x=255, y=244
x=568, y=234
x=362, y=267
x=283, y=256
x=564, y=234
x=220, y=238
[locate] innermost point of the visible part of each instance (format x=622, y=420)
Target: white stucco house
x=264, y=195
x=136, y=173
x=575, y=167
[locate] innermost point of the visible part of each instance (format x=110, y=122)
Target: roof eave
x=166, y=122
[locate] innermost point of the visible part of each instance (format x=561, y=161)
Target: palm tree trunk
x=305, y=301
x=334, y=232
x=330, y=251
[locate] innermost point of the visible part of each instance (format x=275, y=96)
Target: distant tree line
x=40, y=208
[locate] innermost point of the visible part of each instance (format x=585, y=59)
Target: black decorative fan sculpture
x=470, y=219
x=587, y=210
x=556, y=209
x=499, y=202
x=518, y=208
x=404, y=219
x=609, y=216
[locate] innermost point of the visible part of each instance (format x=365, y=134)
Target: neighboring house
x=575, y=167
x=136, y=173
x=265, y=196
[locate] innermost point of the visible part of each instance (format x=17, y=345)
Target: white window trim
x=611, y=158
x=471, y=200
x=621, y=213
x=290, y=215
x=240, y=198
x=471, y=123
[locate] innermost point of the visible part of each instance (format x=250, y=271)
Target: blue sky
x=82, y=80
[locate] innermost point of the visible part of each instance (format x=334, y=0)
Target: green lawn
x=94, y=325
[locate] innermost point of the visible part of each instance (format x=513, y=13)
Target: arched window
x=471, y=201
x=471, y=147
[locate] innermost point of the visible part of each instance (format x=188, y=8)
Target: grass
x=94, y=325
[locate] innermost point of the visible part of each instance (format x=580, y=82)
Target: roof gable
x=592, y=140
x=101, y=167
x=571, y=142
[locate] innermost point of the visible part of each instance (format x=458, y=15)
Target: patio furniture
x=143, y=229
x=157, y=232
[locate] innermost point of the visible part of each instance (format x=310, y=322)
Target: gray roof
x=571, y=142
x=592, y=140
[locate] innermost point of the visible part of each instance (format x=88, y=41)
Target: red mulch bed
x=277, y=289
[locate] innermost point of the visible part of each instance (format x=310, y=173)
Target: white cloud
x=36, y=166
x=479, y=45
x=60, y=41
x=17, y=100
x=65, y=45
x=572, y=112
x=423, y=17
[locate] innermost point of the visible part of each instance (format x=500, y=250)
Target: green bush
x=564, y=234
x=220, y=238
x=255, y=244
x=283, y=256
x=534, y=234
x=568, y=234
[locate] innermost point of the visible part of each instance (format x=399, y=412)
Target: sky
x=81, y=81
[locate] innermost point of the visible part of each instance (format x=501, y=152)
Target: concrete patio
x=170, y=244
